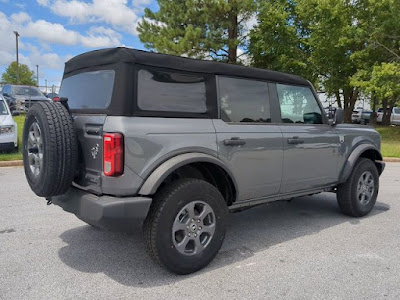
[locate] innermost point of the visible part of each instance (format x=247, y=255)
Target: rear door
x=89, y=91
x=311, y=146
x=247, y=139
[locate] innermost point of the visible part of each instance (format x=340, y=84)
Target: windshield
x=396, y=110
x=3, y=108
x=26, y=91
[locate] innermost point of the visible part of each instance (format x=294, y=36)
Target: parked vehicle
x=8, y=128
x=51, y=95
x=361, y=116
x=394, y=117
x=177, y=143
x=22, y=97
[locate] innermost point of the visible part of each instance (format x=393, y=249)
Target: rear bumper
x=108, y=212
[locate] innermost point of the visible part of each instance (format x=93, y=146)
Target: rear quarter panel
x=150, y=141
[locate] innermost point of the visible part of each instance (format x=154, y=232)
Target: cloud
x=50, y=32
x=101, y=37
x=47, y=34
x=117, y=13
x=20, y=17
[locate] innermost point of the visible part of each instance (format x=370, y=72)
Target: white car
x=394, y=117
x=8, y=128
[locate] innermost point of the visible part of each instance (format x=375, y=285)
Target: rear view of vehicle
x=174, y=144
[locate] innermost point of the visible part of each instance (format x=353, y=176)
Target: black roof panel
x=122, y=54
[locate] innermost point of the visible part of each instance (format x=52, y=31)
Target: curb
x=391, y=159
x=11, y=163
x=18, y=163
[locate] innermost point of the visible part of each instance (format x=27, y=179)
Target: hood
x=26, y=97
x=6, y=120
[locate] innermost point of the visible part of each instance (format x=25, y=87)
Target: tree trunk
x=350, y=98
x=338, y=100
x=233, y=36
x=386, y=112
x=372, y=119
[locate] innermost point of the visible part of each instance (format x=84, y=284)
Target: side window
x=298, y=105
x=244, y=100
x=171, y=92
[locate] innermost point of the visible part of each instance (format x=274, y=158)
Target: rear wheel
x=186, y=225
x=357, y=196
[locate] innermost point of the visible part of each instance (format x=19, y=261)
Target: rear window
x=89, y=90
x=171, y=92
x=396, y=110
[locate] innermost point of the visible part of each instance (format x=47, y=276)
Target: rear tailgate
x=89, y=131
x=89, y=96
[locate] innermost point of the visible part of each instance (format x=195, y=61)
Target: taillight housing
x=113, y=154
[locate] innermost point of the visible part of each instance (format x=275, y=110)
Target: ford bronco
x=177, y=143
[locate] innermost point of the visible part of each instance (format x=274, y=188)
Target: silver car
x=175, y=144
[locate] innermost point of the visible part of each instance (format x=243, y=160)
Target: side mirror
x=15, y=113
x=339, y=116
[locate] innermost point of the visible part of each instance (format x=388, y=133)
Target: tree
x=25, y=74
x=277, y=42
x=198, y=28
x=312, y=38
x=384, y=83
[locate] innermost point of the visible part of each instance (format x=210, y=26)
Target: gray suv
x=177, y=143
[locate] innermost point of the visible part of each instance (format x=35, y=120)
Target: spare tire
x=49, y=149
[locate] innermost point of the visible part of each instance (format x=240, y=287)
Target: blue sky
x=53, y=31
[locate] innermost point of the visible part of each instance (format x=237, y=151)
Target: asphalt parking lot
x=303, y=249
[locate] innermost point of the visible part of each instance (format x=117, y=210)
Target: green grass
x=16, y=155
x=390, y=141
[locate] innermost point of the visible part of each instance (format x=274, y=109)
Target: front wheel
x=186, y=225
x=357, y=196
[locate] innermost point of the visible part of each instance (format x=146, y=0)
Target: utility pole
x=16, y=44
x=37, y=75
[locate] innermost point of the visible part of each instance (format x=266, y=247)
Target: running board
x=253, y=202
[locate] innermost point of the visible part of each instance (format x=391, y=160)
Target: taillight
x=56, y=99
x=113, y=154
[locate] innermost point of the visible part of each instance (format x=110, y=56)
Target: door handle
x=234, y=141
x=295, y=140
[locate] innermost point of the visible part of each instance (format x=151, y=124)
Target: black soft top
x=127, y=55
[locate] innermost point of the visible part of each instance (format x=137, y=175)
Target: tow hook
x=49, y=202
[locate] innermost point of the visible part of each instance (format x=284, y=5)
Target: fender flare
x=354, y=155
x=155, y=179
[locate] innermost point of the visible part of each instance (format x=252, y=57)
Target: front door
x=247, y=140
x=310, y=144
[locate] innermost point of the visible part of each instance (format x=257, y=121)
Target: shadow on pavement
x=123, y=258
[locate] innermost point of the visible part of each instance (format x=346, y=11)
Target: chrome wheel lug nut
x=200, y=227
x=195, y=235
x=198, y=221
x=188, y=234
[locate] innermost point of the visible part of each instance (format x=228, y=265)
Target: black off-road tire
x=59, y=148
x=347, y=196
x=166, y=205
